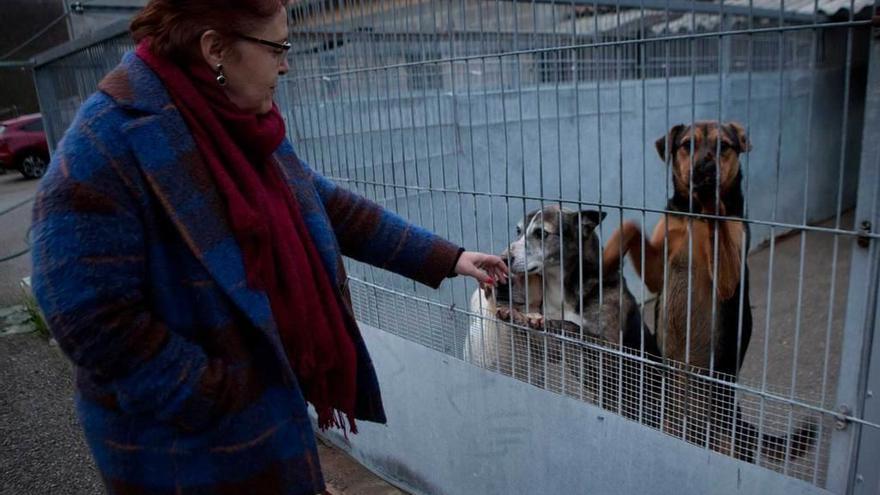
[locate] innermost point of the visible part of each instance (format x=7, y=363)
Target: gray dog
x=538, y=326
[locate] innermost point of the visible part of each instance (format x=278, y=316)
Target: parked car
x=23, y=145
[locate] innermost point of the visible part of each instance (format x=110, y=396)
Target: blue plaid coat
x=182, y=382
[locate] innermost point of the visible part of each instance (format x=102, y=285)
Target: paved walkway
x=42, y=450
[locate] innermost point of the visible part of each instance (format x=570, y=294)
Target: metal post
x=855, y=448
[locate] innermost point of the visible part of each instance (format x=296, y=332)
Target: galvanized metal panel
x=454, y=428
x=865, y=477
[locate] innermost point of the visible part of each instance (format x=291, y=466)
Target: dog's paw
x=534, y=320
x=504, y=314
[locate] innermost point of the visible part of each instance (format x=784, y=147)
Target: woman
x=189, y=264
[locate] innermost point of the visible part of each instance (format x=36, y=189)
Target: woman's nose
x=284, y=67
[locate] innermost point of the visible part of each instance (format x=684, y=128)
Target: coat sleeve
x=90, y=278
x=369, y=233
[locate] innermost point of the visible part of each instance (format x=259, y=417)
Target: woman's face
x=252, y=69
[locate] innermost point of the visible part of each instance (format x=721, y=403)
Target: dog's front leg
x=518, y=318
x=728, y=256
x=628, y=239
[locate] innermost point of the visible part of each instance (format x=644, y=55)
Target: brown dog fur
x=682, y=248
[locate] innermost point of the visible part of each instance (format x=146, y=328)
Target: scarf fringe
x=332, y=418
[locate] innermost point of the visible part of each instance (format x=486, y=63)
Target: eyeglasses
x=283, y=46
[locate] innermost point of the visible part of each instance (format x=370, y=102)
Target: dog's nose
x=707, y=168
x=505, y=256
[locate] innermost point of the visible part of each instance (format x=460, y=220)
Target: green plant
x=36, y=316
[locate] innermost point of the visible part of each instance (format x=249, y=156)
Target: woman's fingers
x=485, y=268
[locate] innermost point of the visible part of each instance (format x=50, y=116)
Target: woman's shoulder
x=96, y=128
x=94, y=149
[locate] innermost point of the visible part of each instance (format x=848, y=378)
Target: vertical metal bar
x=402, y=129
x=467, y=76
x=369, y=76
x=415, y=153
x=445, y=195
x=690, y=233
x=351, y=162
x=852, y=454
x=580, y=197
x=507, y=174
x=560, y=41
x=643, y=77
x=333, y=128
x=745, y=239
x=618, y=49
x=523, y=181
x=454, y=105
x=323, y=142
x=714, y=225
x=425, y=113
x=540, y=124
x=485, y=84
x=453, y=102
x=599, y=164
x=392, y=156
x=770, y=273
x=802, y=255
x=664, y=376
x=402, y=32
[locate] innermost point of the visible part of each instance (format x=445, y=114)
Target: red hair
x=175, y=26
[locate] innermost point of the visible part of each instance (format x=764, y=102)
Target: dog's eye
x=518, y=231
x=725, y=147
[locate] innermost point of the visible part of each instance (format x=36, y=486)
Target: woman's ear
x=212, y=47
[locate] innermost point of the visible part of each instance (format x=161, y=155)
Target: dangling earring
x=221, y=77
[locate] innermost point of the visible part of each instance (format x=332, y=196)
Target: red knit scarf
x=280, y=257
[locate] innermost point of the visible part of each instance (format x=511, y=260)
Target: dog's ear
x=672, y=138
x=742, y=140
x=591, y=218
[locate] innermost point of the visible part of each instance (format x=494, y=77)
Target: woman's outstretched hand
x=487, y=269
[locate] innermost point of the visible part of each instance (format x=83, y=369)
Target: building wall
x=21, y=19
x=94, y=19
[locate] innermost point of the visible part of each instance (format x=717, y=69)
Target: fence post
x=855, y=448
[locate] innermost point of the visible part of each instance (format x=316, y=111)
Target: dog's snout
x=505, y=256
x=707, y=167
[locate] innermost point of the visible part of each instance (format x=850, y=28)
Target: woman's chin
x=266, y=108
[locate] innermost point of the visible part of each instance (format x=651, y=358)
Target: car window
x=2, y=129
x=35, y=126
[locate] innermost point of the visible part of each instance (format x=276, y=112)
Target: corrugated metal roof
x=707, y=22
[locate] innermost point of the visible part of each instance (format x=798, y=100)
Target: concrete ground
x=43, y=451
x=14, y=225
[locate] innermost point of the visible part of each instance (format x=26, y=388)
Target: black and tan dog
x=555, y=261
x=695, y=264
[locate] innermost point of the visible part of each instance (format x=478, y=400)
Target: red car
x=23, y=146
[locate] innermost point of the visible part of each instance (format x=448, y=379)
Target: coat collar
x=133, y=86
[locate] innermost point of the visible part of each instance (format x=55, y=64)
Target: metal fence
x=465, y=116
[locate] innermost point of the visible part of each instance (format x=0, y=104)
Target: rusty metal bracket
x=864, y=239
x=841, y=419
